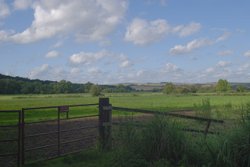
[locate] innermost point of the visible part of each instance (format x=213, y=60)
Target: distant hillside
x=235, y=85
x=204, y=87
x=16, y=78
x=19, y=85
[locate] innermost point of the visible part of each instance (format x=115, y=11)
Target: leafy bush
x=95, y=90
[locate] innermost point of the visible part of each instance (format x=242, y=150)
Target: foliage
x=204, y=109
x=95, y=90
x=223, y=86
x=160, y=142
x=116, y=88
x=169, y=88
x=240, y=88
x=18, y=85
x=233, y=148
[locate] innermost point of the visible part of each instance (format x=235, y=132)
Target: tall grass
x=233, y=149
x=204, y=109
x=159, y=143
x=162, y=143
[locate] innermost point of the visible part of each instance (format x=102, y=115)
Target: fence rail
x=172, y=114
x=48, y=107
x=167, y=114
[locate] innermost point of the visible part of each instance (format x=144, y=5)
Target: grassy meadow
x=151, y=101
x=157, y=101
x=161, y=136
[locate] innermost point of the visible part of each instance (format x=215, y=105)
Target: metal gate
x=10, y=138
x=63, y=134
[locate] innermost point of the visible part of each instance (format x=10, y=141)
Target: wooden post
x=105, y=124
x=207, y=127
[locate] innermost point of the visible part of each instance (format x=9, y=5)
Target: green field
x=150, y=101
x=157, y=101
x=221, y=106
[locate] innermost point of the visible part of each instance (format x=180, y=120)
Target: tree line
x=19, y=85
x=221, y=86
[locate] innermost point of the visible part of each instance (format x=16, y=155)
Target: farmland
x=152, y=101
x=156, y=101
x=226, y=107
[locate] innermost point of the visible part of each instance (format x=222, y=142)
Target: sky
x=126, y=41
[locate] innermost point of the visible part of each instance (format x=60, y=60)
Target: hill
x=19, y=85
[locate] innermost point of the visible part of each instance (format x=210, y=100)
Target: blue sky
x=120, y=41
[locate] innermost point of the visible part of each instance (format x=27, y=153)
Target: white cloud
x=84, y=19
x=94, y=71
x=187, y=30
x=223, y=64
x=225, y=53
x=39, y=71
x=163, y=2
x=22, y=4
x=52, y=54
x=48, y=72
x=244, y=67
x=210, y=70
x=223, y=37
x=169, y=67
x=124, y=61
x=87, y=57
x=143, y=32
x=4, y=9
x=75, y=70
x=152, y=2
x=103, y=57
x=247, y=53
x=125, y=64
x=4, y=35
x=190, y=46
x=58, y=44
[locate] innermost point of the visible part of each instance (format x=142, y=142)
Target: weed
x=204, y=109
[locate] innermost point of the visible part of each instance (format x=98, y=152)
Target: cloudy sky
x=118, y=41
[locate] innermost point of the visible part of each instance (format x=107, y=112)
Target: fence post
x=105, y=124
x=207, y=127
x=58, y=132
x=19, y=138
x=23, y=137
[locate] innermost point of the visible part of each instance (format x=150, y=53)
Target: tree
x=88, y=86
x=169, y=88
x=240, y=88
x=95, y=90
x=223, y=86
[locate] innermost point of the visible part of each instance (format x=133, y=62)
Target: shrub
x=95, y=90
x=233, y=149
